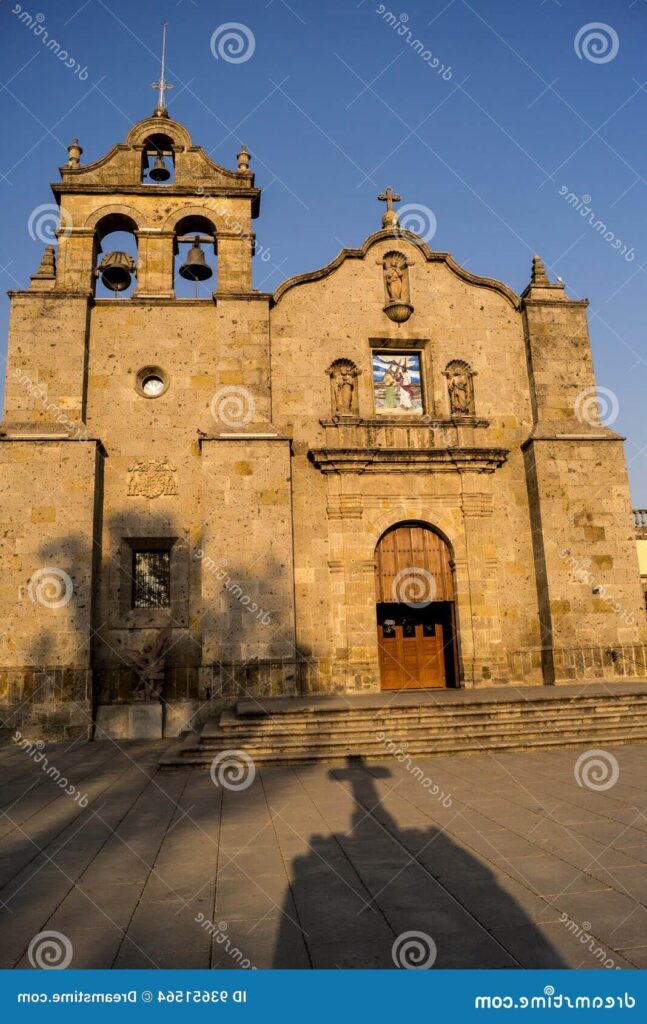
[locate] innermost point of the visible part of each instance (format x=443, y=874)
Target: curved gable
x=429, y=255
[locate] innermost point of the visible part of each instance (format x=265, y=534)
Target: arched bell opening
x=158, y=160
x=195, y=265
x=415, y=607
x=116, y=257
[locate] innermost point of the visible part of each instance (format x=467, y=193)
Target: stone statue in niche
x=395, y=269
x=460, y=387
x=343, y=377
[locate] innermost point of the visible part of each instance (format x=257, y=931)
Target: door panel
x=411, y=655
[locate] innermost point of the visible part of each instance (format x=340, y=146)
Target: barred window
x=151, y=579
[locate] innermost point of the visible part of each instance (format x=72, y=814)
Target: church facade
x=388, y=474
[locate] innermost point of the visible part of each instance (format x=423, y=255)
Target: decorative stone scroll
x=460, y=387
x=397, y=293
x=343, y=388
x=151, y=479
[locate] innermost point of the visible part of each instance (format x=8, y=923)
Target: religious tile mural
x=397, y=383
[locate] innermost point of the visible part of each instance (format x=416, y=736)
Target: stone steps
x=444, y=715
x=316, y=733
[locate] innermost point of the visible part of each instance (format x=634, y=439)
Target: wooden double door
x=415, y=609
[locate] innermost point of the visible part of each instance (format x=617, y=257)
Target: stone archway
x=415, y=604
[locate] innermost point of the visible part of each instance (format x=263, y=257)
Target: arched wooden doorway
x=415, y=609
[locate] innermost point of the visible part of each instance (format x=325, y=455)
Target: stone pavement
x=511, y=863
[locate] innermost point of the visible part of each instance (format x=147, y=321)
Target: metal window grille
x=151, y=579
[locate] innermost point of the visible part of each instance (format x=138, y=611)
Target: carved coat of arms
x=151, y=479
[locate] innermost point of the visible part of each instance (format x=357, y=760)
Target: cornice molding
x=408, y=460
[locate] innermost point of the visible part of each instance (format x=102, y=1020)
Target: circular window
x=151, y=382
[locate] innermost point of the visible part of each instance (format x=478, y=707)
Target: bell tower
x=137, y=354
x=162, y=189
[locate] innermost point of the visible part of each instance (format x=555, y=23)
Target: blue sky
x=334, y=105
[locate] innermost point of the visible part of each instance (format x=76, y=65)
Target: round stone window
x=151, y=382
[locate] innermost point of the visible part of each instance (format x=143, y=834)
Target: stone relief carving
x=148, y=665
x=397, y=292
x=343, y=376
x=152, y=478
x=460, y=387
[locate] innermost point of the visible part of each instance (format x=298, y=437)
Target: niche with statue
x=343, y=389
x=397, y=292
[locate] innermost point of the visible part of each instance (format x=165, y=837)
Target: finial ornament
x=390, y=217
x=538, y=274
x=243, y=158
x=47, y=268
x=162, y=85
x=74, y=152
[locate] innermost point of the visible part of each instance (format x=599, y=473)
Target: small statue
x=345, y=388
x=460, y=388
x=393, y=278
x=149, y=666
x=342, y=379
x=397, y=295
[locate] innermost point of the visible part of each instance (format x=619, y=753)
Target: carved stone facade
x=254, y=448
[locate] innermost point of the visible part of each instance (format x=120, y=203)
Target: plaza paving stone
x=325, y=865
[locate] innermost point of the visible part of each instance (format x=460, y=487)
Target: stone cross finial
x=538, y=274
x=390, y=217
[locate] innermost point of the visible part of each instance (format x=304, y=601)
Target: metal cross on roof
x=162, y=85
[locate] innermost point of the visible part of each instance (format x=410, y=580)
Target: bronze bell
x=159, y=170
x=116, y=270
x=196, y=267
